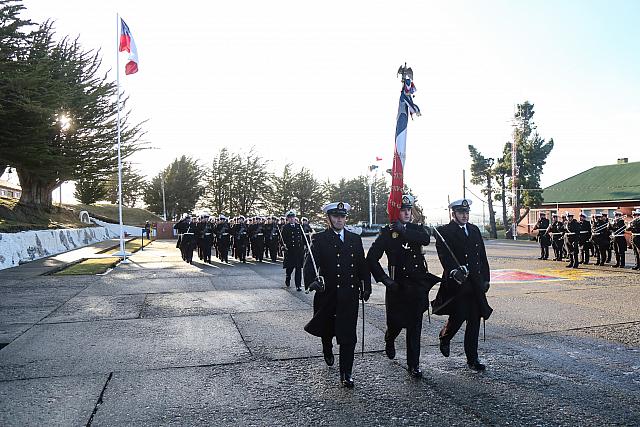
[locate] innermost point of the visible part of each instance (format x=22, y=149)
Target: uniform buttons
x=352, y=286
x=352, y=276
x=338, y=255
x=338, y=286
x=404, y=268
x=351, y=255
x=338, y=265
x=351, y=265
x=416, y=265
x=415, y=256
x=337, y=275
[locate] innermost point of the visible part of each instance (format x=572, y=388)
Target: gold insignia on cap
x=394, y=235
x=405, y=200
x=465, y=203
x=340, y=205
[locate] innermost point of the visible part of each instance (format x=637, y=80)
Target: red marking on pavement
x=518, y=276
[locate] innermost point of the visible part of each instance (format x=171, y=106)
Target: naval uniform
x=543, y=237
x=294, y=253
x=466, y=301
x=340, y=261
x=407, y=301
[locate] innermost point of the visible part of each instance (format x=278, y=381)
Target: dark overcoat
x=469, y=251
x=405, y=258
x=294, y=245
x=343, y=267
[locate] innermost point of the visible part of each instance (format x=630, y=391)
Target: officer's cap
x=598, y=214
x=635, y=212
x=291, y=213
x=554, y=215
x=273, y=217
x=304, y=218
x=583, y=215
x=241, y=217
x=605, y=214
x=617, y=213
x=568, y=214
x=336, y=208
x=543, y=214
x=222, y=216
x=407, y=201
x=461, y=205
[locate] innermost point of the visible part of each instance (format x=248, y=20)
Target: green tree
x=57, y=112
x=282, y=191
x=90, y=190
x=133, y=186
x=531, y=155
x=483, y=174
x=182, y=188
x=309, y=196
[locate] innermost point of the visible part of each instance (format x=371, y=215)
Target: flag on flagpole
x=127, y=44
x=405, y=107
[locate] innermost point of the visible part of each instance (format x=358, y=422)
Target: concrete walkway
x=161, y=342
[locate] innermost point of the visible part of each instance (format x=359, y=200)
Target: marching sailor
x=465, y=281
x=294, y=250
x=336, y=269
x=543, y=237
x=407, y=284
x=619, y=241
x=634, y=228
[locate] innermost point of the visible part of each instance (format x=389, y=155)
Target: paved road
x=160, y=342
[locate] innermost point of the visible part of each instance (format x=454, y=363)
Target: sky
x=315, y=84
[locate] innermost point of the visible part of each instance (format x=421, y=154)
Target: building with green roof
x=600, y=189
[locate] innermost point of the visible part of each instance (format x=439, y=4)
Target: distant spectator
x=147, y=229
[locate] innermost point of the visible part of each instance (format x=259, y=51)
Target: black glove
x=397, y=226
x=459, y=274
x=365, y=291
x=391, y=284
x=317, y=285
x=486, y=286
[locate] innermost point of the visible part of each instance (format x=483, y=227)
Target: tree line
x=241, y=183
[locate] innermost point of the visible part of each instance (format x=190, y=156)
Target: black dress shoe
x=445, y=347
x=298, y=288
x=476, y=365
x=329, y=359
x=390, y=349
x=415, y=372
x=346, y=380
x=287, y=284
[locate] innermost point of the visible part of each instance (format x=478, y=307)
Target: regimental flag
x=127, y=44
x=405, y=107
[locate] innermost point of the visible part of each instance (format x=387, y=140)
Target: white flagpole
x=122, y=253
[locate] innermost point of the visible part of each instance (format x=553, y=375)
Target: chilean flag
x=127, y=43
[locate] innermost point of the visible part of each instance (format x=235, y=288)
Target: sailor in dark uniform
x=619, y=241
x=223, y=233
x=188, y=241
x=407, y=284
x=572, y=238
x=555, y=231
x=257, y=239
x=584, y=240
x=341, y=278
x=465, y=281
x=207, y=239
x=240, y=235
x=180, y=228
x=634, y=228
x=294, y=250
x=543, y=237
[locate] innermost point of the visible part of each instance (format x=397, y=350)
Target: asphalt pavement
x=161, y=342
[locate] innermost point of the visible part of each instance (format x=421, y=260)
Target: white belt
x=225, y=234
x=188, y=233
x=259, y=234
x=207, y=234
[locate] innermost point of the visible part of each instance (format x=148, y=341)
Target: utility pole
x=464, y=185
x=164, y=206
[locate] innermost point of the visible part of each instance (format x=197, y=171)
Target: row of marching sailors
x=260, y=237
x=579, y=239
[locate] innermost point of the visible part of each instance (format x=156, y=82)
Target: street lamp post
x=164, y=206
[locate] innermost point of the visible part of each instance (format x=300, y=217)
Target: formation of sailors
x=259, y=237
x=580, y=239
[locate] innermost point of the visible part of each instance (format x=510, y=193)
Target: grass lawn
x=109, y=213
x=93, y=266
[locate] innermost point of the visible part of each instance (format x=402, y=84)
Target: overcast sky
x=314, y=83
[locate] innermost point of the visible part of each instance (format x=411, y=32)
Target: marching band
x=580, y=240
